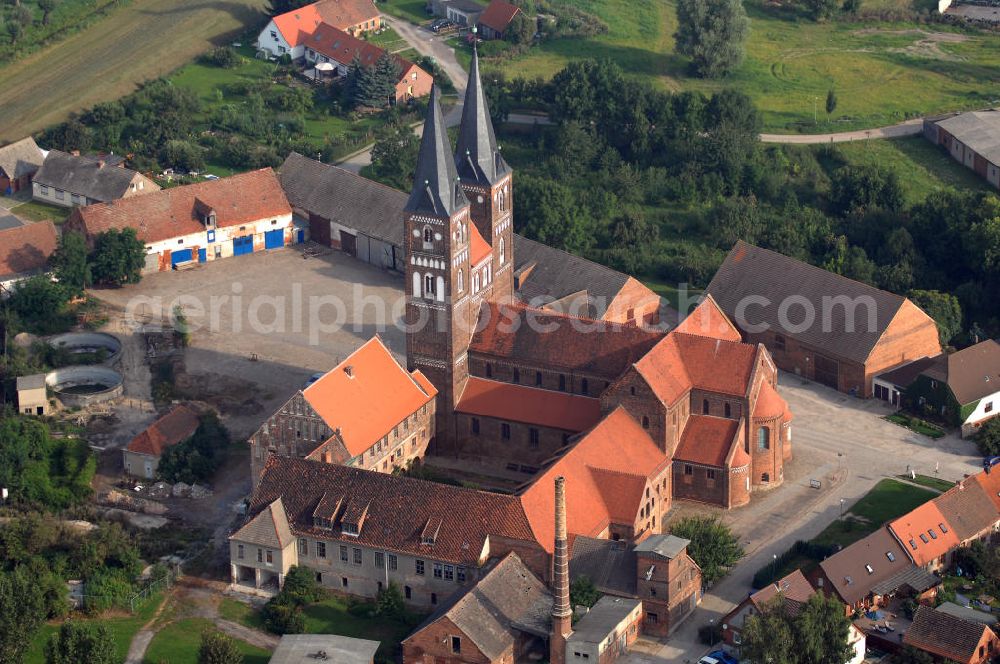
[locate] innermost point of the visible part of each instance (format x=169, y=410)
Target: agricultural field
x=883, y=73
x=144, y=40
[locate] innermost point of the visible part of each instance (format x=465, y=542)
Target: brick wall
x=490, y=445
x=670, y=594
x=911, y=335
x=433, y=645
x=634, y=394
x=536, y=375
x=696, y=482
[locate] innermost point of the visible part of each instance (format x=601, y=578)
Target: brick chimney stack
x=562, y=612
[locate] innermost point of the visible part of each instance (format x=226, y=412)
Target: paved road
x=908, y=128
x=843, y=442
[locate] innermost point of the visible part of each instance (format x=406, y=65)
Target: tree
x=76, y=642
x=817, y=634
x=218, y=648
x=47, y=7
x=521, y=29
x=15, y=31
x=553, y=213
x=713, y=34
x=394, y=156
x=944, y=308
x=988, y=438
x=385, y=78
x=713, y=545
x=276, y=7
x=118, y=257
x=69, y=263
x=582, y=592
x=911, y=655
x=767, y=638
x=300, y=585
x=40, y=303
x=389, y=602
x=863, y=188
x=831, y=101
x=820, y=9
x=21, y=614
x=851, y=6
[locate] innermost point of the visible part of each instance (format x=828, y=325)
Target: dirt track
x=147, y=39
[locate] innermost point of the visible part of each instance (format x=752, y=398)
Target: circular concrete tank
x=84, y=385
x=88, y=342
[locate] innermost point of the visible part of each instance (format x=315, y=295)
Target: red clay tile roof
x=605, y=473
x=946, y=635
x=990, y=481
x=794, y=587
x=498, y=15
x=769, y=404
x=342, y=47
x=174, y=212
x=530, y=405
x=399, y=509
x=921, y=534
x=479, y=248
x=707, y=440
x=969, y=508
x=708, y=320
x=26, y=248
x=544, y=338
x=175, y=427
x=848, y=572
x=298, y=24
x=366, y=395
x=682, y=361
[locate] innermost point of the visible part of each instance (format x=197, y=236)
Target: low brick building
x=950, y=638
x=818, y=324
x=19, y=161
x=972, y=139
x=24, y=252
x=141, y=457
x=367, y=412
x=606, y=631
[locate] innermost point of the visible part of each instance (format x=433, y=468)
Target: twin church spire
x=437, y=181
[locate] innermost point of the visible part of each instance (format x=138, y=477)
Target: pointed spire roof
x=436, y=189
x=476, y=153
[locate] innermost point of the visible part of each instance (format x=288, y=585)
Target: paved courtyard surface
x=270, y=320
x=840, y=441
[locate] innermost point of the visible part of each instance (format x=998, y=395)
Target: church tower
x=487, y=182
x=439, y=311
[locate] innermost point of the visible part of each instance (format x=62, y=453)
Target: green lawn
x=922, y=167
x=411, y=10
x=239, y=612
x=931, y=482
x=389, y=39
x=670, y=292
x=179, y=641
x=35, y=211
x=888, y=500
x=916, y=425
x=883, y=72
x=122, y=628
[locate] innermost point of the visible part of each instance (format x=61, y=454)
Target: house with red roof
x=367, y=412
x=141, y=456
x=195, y=223
x=25, y=250
x=497, y=17
x=328, y=44
x=286, y=33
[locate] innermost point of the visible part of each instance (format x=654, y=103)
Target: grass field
x=142, y=41
x=883, y=73
x=409, y=10
x=931, y=482
x=179, y=642
x=922, y=168
x=122, y=628
x=35, y=211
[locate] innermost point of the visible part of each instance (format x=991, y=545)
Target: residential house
x=367, y=412
x=360, y=530
x=141, y=457
x=658, y=572
x=505, y=617
x=950, y=638
x=25, y=252
x=962, y=388
x=972, y=139
x=820, y=325
x=287, y=33
x=497, y=17
x=926, y=536
x=792, y=591
x=606, y=631
x=970, y=510
x=215, y=219
x=32, y=396
x=70, y=180
x=892, y=385
x=866, y=573
x=463, y=13
x=328, y=44
x=311, y=648
x=19, y=161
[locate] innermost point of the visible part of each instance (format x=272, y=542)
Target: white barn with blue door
x=197, y=223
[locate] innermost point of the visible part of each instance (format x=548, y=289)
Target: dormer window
x=943, y=527
x=869, y=569
x=428, y=536
x=923, y=538
x=349, y=529
x=930, y=531
x=890, y=556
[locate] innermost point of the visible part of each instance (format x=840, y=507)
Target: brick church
x=522, y=388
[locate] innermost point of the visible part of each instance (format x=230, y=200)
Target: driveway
x=839, y=440
x=908, y=128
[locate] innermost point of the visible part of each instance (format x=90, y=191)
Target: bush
x=582, y=592
x=223, y=56
x=389, y=602
x=283, y=617
x=988, y=438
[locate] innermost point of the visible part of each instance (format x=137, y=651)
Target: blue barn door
x=202, y=255
x=243, y=245
x=181, y=256
x=302, y=236
x=274, y=239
